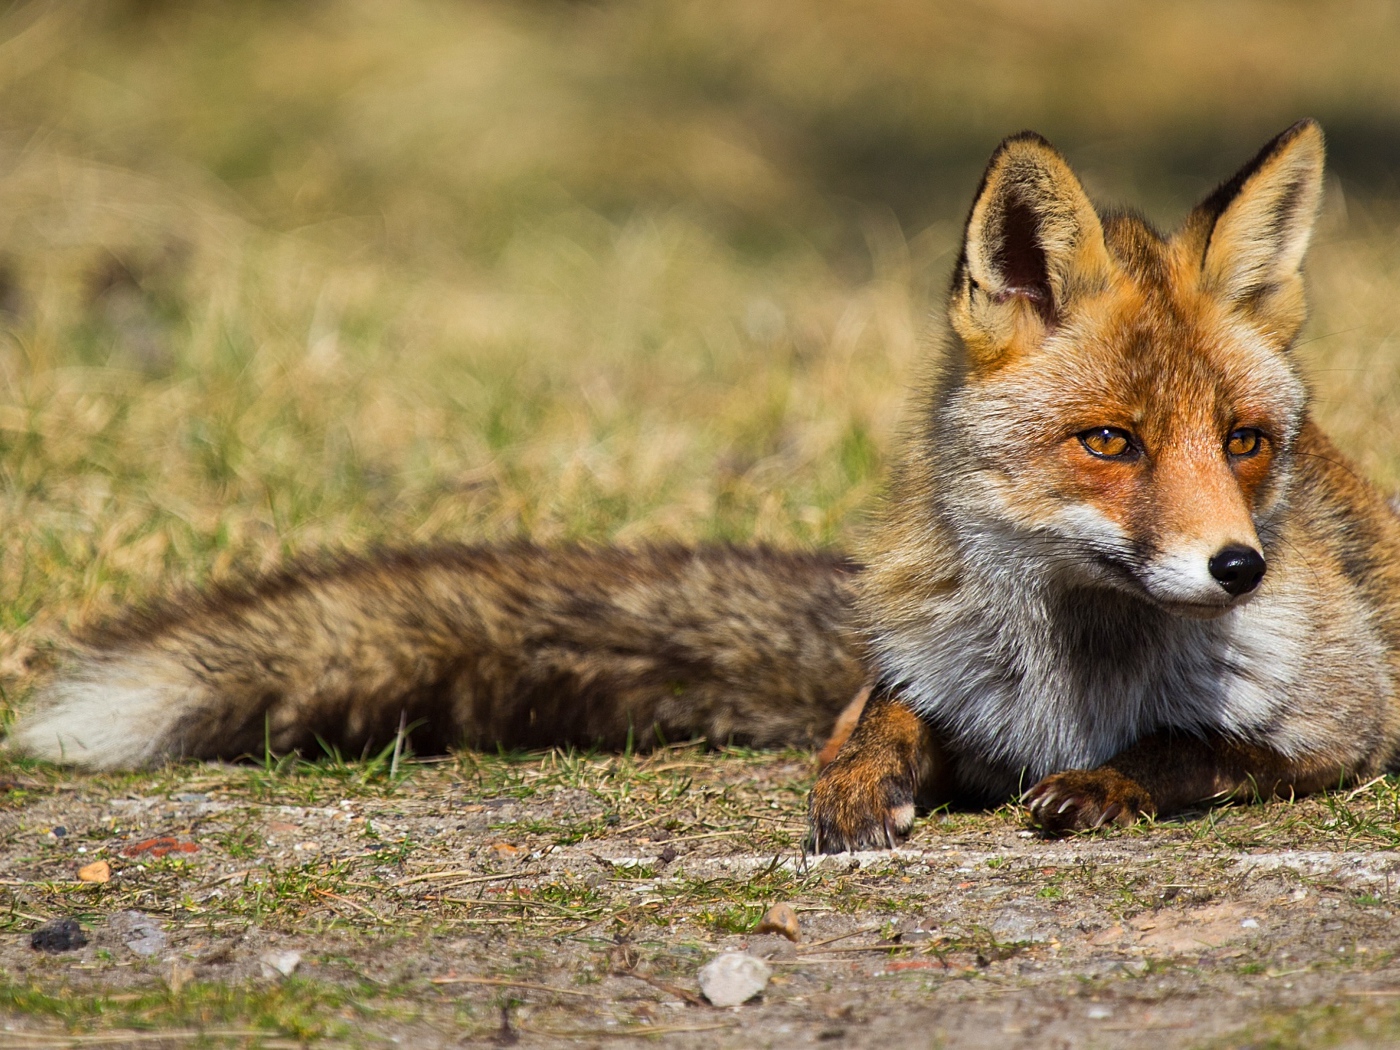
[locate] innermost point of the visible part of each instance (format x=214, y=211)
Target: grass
x=298, y=1009
x=281, y=277
x=1334, y=1025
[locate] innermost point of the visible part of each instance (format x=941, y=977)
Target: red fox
x=1118, y=564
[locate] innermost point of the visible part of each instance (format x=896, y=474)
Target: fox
x=1120, y=571
x=1117, y=571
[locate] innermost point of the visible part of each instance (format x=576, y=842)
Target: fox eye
x=1244, y=442
x=1109, y=443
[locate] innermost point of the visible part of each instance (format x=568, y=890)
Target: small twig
x=503, y=921
x=628, y=1032
x=655, y=818
x=1364, y=787
x=353, y=903
x=517, y=902
x=229, y=877
x=707, y=835
x=665, y=986
x=867, y=948
x=840, y=937
x=25, y=915
x=398, y=744
x=118, y=1036
x=502, y=982
x=431, y=875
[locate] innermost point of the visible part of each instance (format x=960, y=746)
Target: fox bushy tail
x=517, y=646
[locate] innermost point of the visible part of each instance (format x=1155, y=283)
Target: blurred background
x=277, y=276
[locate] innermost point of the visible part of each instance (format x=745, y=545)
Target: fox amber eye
x=1243, y=442
x=1108, y=442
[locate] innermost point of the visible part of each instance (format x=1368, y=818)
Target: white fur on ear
x=1265, y=217
x=1033, y=235
x=1033, y=244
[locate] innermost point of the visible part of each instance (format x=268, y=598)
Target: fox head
x=1122, y=401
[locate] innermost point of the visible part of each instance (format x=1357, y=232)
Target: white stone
x=283, y=964
x=731, y=978
x=141, y=933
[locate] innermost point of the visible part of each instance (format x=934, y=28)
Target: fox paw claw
x=1086, y=799
x=857, y=805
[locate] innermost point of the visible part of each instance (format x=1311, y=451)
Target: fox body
x=1118, y=565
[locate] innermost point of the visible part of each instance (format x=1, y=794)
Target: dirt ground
x=564, y=900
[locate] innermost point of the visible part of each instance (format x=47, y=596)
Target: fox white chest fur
x=1061, y=680
x=1027, y=674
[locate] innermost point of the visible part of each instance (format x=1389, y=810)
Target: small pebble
x=732, y=978
x=158, y=847
x=140, y=933
x=915, y=935
x=780, y=919
x=279, y=964
x=97, y=871
x=58, y=935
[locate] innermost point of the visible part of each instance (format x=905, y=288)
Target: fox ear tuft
x=1033, y=242
x=1256, y=228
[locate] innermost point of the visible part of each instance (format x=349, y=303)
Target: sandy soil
x=564, y=901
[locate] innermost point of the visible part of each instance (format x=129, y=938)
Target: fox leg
x=864, y=799
x=1165, y=773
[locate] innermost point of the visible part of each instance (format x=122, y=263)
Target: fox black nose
x=1238, y=569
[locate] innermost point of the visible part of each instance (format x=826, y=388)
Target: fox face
x=1119, y=402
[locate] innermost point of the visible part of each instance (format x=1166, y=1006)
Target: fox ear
x=1033, y=243
x=1255, y=228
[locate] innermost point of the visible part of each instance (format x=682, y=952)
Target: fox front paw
x=859, y=802
x=1083, y=799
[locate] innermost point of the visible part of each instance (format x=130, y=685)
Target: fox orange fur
x=1118, y=565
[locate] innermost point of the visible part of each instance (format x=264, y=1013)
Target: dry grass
x=278, y=276
x=282, y=276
